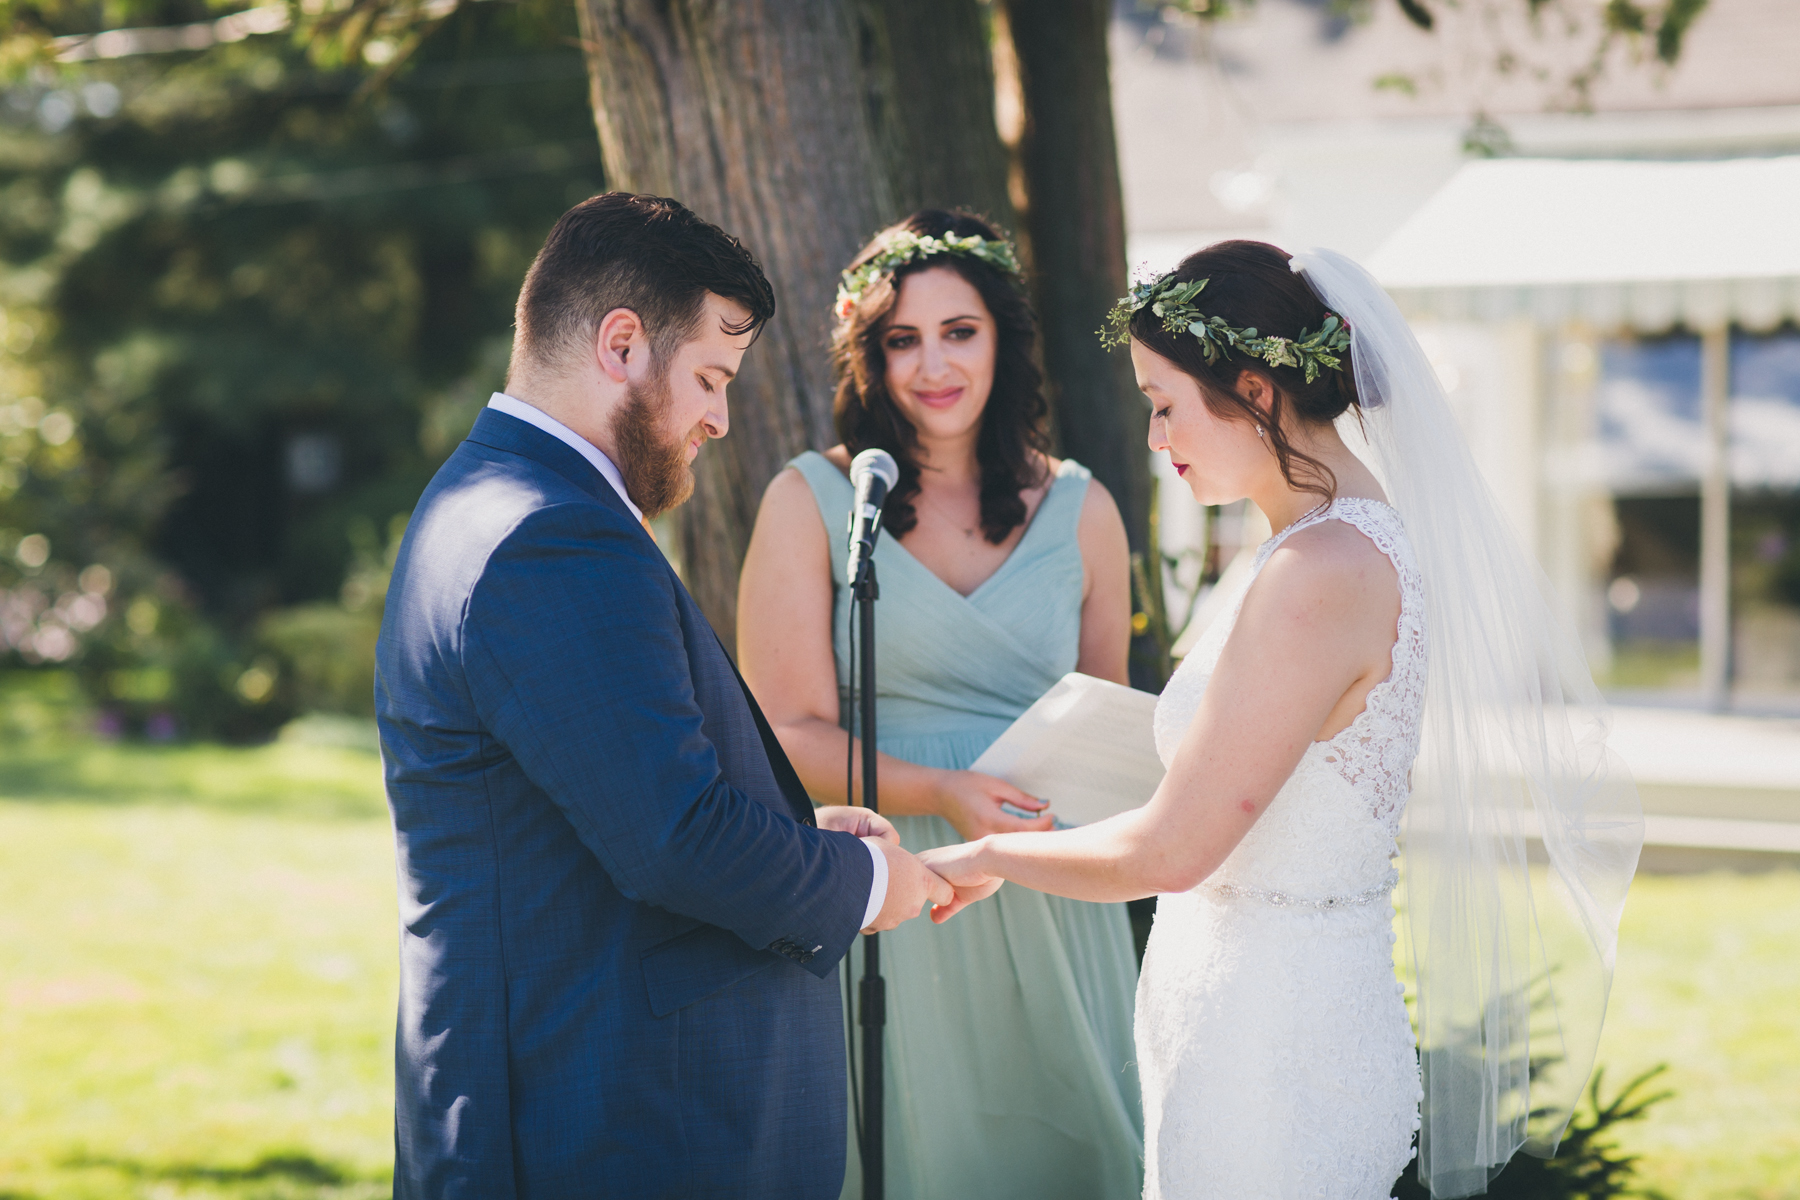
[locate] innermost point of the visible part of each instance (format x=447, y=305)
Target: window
x=1649, y=453
x=1765, y=517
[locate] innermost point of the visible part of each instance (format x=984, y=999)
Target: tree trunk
x=757, y=120
x=946, y=151
x=800, y=126
x=1076, y=219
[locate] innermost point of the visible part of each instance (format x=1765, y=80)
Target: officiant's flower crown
x=907, y=247
x=1173, y=300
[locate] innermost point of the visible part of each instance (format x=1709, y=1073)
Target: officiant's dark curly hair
x=1013, y=437
x=649, y=254
x=1250, y=285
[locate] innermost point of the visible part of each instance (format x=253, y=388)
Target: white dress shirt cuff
x=878, y=886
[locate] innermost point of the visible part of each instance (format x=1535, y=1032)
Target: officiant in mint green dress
x=1009, y=1038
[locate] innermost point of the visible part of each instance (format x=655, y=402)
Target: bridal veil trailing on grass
x=1513, y=964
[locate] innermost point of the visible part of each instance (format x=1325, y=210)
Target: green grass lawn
x=197, y=981
x=1709, y=982
x=196, y=968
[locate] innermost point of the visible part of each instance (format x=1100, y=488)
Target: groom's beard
x=655, y=469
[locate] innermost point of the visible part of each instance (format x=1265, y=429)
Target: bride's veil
x=1513, y=959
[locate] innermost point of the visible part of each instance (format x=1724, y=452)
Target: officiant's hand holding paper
x=1085, y=746
x=972, y=802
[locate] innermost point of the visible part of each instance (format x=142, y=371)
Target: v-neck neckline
x=1011, y=556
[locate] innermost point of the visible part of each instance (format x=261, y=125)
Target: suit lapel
x=786, y=778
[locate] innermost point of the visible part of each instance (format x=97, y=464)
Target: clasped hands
x=942, y=878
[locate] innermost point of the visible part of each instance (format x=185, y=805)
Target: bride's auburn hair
x=1014, y=436
x=1251, y=286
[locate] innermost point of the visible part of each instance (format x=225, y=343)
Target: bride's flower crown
x=905, y=247
x=1173, y=301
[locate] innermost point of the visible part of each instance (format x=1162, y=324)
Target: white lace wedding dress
x=1272, y=1038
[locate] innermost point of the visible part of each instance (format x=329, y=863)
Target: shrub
x=1588, y=1165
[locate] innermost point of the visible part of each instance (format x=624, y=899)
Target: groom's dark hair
x=649, y=254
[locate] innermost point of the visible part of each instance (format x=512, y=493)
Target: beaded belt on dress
x=1284, y=900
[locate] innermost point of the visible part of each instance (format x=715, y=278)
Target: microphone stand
x=872, y=999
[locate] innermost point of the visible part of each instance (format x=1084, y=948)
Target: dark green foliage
x=1669, y=22
x=1417, y=13
x=1678, y=17
x=263, y=302
x=1486, y=138
x=1587, y=1166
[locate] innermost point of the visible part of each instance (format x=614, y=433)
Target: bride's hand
x=971, y=802
x=859, y=821
x=958, y=867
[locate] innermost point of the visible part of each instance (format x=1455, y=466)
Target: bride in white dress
x=1268, y=1016
x=1273, y=1040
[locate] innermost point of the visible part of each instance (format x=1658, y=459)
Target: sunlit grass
x=1709, y=982
x=196, y=972
x=1648, y=664
x=322, y=767
x=197, y=980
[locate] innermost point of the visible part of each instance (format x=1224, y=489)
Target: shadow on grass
x=302, y=781
x=288, y=1166
x=321, y=767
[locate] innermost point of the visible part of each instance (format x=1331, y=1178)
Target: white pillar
x=1575, y=534
x=1715, y=520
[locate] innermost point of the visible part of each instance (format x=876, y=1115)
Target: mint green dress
x=1009, y=1038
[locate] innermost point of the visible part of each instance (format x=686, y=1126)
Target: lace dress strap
x=1376, y=521
x=1375, y=752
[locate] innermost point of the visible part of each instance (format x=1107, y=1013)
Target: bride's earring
x=1259, y=431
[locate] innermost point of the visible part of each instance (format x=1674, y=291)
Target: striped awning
x=1617, y=244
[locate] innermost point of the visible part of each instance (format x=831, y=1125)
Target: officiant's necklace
x=945, y=513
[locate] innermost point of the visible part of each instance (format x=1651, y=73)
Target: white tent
x=1610, y=245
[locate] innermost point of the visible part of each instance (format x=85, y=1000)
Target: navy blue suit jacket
x=619, y=931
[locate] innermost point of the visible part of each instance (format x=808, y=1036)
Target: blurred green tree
x=252, y=298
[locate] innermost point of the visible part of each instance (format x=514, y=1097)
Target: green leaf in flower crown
x=1173, y=302
x=907, y=247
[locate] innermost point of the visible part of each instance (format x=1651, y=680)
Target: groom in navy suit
x=621, y=917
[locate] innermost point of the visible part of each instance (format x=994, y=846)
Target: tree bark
x=1076, y=222
x=800, y=126
x=945, y=149
x=754, y=114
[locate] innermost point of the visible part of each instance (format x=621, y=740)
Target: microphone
x=872, y=473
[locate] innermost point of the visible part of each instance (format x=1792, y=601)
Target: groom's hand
x=910, y=887
x=960, y=867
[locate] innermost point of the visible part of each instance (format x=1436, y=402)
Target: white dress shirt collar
x=514, y=407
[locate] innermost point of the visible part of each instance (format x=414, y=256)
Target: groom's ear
x=621, y=346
